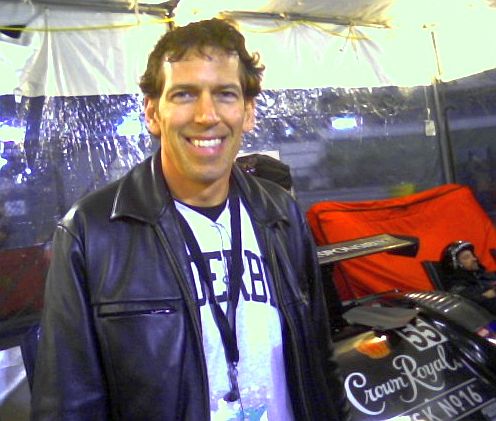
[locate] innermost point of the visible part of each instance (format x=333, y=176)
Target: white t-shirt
x=261, y=375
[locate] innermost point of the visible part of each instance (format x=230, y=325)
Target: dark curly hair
x=199, y=36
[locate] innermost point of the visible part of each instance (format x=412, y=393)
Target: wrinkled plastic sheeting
x=350, y=144
x=74, y=145
x=54, y=151
x=71, y=146
x=340, y=144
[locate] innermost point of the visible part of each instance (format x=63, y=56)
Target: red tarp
x=436, y=217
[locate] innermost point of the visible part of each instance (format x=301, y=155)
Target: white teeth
x=209, y=143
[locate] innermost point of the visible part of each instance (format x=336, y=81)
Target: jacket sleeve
x=310, y=270
x=68, y=383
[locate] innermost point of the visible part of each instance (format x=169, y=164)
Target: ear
x=151, y=116
x=249, y=121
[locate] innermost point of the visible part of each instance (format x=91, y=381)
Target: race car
x=426, y=355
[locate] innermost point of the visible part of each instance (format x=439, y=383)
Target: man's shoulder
x=99, y=203
x=94, y=205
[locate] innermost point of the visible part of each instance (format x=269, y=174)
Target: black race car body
x=427, y=355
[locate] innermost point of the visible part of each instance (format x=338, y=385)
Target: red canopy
x=437, y=217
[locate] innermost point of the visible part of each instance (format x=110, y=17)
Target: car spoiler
x=343, y=250
x=335, y=252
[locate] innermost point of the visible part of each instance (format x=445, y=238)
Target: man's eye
x=228, y=95
x=181, y=96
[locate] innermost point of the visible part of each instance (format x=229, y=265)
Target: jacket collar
x=143, y=194
x=258, y=198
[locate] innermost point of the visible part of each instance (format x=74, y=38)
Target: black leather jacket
x=121, y=333
x=472, y=285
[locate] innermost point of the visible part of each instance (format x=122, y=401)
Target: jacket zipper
x=165, y=310
x=277, y=284
x=191, y=305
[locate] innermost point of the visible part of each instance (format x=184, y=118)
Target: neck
x=198, y=194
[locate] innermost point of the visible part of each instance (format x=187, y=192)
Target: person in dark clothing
x=188, y=289
x=466, y=276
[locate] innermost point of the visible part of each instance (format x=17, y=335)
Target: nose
x=206, y=110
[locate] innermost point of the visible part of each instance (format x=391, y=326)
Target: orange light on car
x=374, y=347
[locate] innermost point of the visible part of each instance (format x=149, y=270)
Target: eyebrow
x=231, y=86
x=192, y=86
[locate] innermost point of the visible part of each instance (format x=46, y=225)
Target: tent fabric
x=436, y=217
x=68, y=52
x=307, y=53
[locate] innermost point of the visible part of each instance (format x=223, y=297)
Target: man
x=188, y=290
x=467, y=277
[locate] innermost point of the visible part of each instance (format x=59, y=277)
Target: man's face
x=200, y=119
x=468, y=260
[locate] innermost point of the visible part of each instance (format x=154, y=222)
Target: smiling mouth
x=205, y=143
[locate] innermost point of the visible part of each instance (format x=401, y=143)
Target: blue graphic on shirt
x=261, y=374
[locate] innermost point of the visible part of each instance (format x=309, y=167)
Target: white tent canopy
x=376, y=43
x=69, y=52
x=66, y=51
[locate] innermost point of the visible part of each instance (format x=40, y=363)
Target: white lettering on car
x=372, y=399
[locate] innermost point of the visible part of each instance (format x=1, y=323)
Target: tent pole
x=335, y=20
x=444, y=141
x=116, y=6
x=444, y=135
